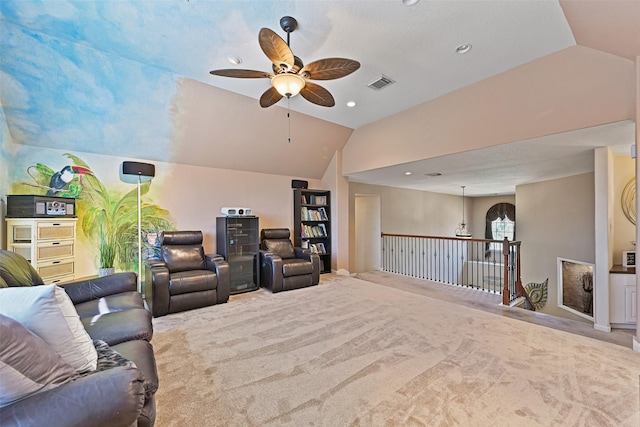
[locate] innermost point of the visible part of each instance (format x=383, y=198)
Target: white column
x=602, y=178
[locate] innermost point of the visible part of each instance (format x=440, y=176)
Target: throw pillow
x=48, y=312
x=17, y=271
x=27, y=363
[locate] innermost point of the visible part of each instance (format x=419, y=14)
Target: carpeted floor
x=355, y=353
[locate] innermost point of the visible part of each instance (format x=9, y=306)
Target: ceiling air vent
x=380, y=82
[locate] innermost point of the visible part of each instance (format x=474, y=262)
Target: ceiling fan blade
x=241, y=74
x=276, y=49
x=317, y=94
x=329, y=68
x=270, y=97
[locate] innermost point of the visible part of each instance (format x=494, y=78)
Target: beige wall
x=405, y=211
x=334, y=181
x=624, y=232
x=555, y=219
x=193, y=195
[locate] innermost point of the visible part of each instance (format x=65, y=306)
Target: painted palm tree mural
x=107, y=217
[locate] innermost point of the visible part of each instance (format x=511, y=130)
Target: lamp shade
x=288, y=84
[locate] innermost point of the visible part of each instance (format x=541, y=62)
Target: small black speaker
x=131, y=172
x=296, y=183
x=136, y=168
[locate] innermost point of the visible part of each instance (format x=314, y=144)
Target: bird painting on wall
x=62, y=178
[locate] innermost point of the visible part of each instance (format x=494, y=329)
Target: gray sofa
x=113, y=314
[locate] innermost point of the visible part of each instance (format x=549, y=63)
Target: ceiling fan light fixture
x=288, y=84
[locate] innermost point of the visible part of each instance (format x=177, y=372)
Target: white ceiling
x=413, y=45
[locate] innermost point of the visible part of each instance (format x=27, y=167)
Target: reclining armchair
x=283, y=267
x=185, y=278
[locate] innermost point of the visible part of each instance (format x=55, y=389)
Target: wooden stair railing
x=460, y=261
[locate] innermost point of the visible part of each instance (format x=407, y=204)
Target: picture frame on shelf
x=628, y=258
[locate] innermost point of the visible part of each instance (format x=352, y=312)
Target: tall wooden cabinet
x=48, y=244
x=312, y=223
x=238, y=241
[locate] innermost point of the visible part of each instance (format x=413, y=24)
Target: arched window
x=500, y=223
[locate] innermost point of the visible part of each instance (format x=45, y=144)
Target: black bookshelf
x=312, y=223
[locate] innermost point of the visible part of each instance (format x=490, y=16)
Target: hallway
x=490, y=302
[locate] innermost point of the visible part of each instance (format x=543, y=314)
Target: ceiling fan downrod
x=288, y=24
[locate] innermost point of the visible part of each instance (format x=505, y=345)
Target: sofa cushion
x=186, y=282
x=114, y=328
x=140, y=352
x=27, y=363
x=282, y=248
x=110, y=304
x=48, y=312
x=109, y=358
x=183, y=257
x=296, y=267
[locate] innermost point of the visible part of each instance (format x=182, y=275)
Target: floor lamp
x=137, y=173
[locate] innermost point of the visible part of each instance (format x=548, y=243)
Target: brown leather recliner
x=283, y=267
x=185, y=278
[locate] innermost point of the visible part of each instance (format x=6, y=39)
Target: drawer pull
x=55, y=262
x=55, y=243
x=56, y=224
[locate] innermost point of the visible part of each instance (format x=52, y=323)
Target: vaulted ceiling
x=132, y=79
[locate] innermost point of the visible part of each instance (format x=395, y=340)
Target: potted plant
x=107, y=255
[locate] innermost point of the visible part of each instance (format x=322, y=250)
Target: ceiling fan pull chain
x=289, y=117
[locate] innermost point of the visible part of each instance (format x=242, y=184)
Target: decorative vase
x=106, y=271
x=587, y=302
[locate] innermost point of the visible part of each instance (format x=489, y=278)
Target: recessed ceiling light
x=463, y=48
x=407, y=173
x=235, y=60
x=409, y=2
x=351, y=104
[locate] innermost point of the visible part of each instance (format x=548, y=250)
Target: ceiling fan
x=290, y=76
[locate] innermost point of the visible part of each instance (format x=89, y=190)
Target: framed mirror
x=575, y=287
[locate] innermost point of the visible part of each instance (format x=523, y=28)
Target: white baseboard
x=602, y=328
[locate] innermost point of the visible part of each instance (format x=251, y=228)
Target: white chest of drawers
x=48, y=243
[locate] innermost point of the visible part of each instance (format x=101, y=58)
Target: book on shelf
x=318, y=200
x=323, y=214
x=313, y=231
x=313, y=214
x=304, y=199
x=318, y=248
